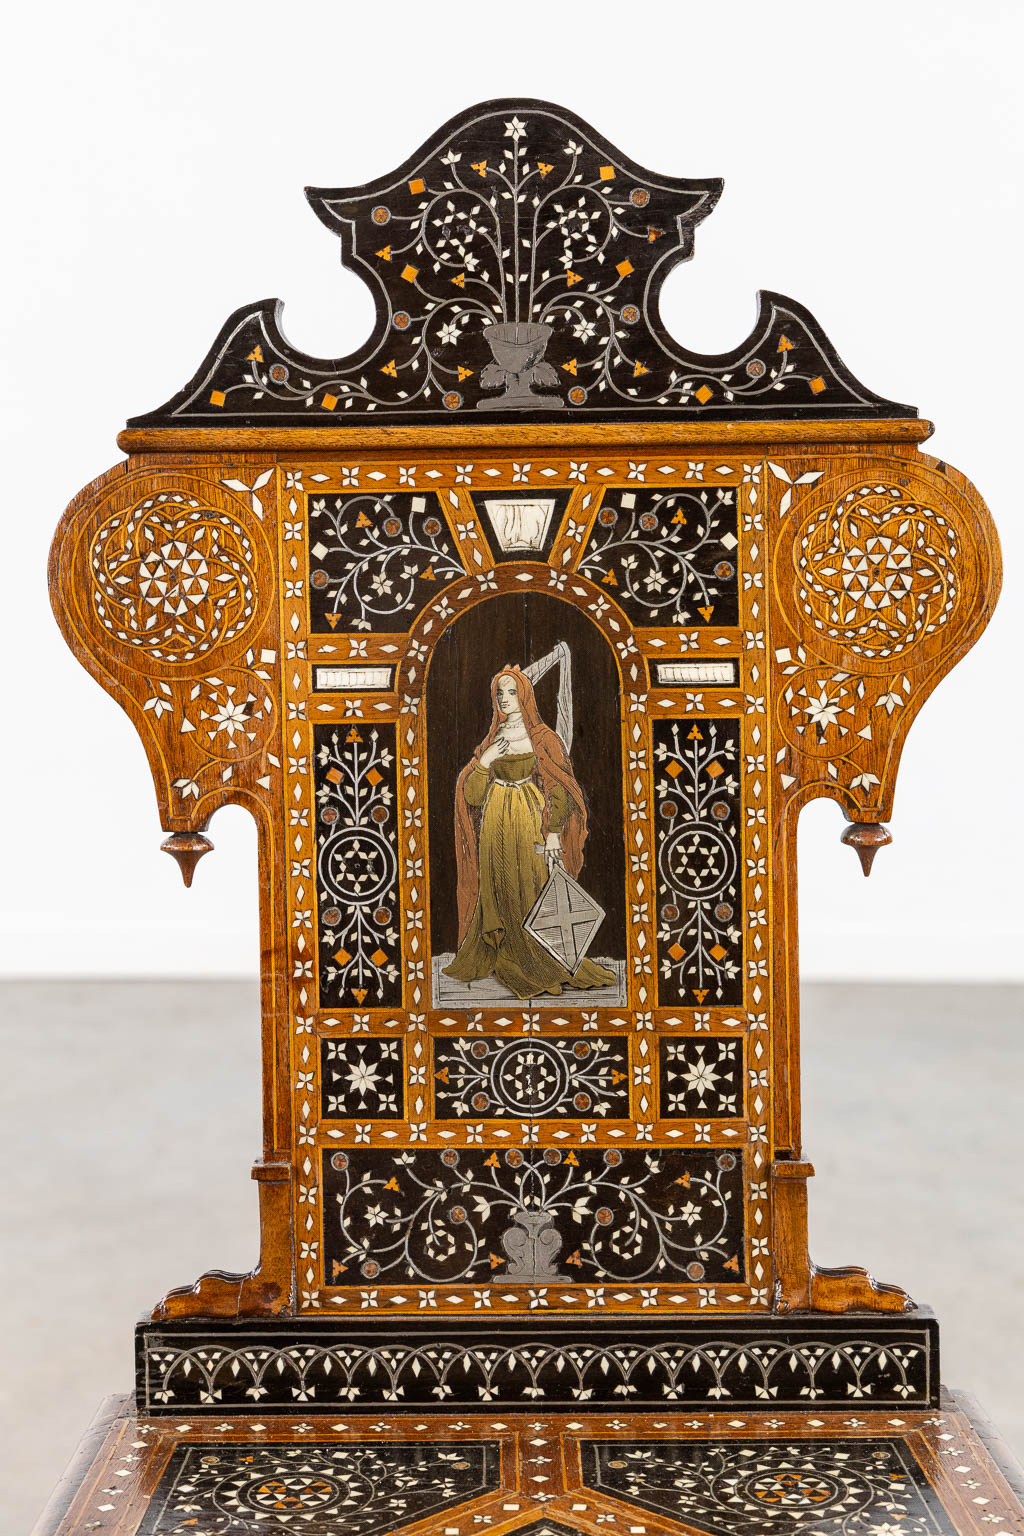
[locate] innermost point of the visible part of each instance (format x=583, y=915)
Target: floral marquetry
x=363, y=1078
x=701, y=1077
x=362, y=1489
x=699, y=860
x=732, y=1488
x=170, y=589
x=357, y=866
x=882, y=574
x=516, y=262
x=376, y=560
x=328, y=1469
x=648, y=745
x=525, y=634
x=542, y=1078
x=667, y=557
x=546, y=1217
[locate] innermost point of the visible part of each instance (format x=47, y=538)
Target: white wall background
x=155, y=159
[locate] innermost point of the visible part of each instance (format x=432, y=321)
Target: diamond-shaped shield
x=564, y=919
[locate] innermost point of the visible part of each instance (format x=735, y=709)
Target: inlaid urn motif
x=518, y=350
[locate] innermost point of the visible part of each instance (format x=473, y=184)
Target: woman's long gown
x=513, y=872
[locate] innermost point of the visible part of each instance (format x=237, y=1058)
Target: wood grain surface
x=841, y=580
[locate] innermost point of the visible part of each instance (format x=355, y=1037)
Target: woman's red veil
x=553, y=767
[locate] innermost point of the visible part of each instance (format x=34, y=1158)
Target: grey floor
x=131, y=1118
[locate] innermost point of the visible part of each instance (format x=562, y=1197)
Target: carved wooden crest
x=515, y=263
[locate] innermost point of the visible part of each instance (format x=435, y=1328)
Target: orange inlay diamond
x=373, y=776
x=342, y=956
x=703, y=394
x=410, y=274
x=328, y=402
x=624, y=268
x=817, y=385
x=417, y=186
x=715, y=768
x=333, y=775
x=217, y=397
x=673, y=769
x=676, y=952
x=718, y=953
x=607, y=173
x=378, y=957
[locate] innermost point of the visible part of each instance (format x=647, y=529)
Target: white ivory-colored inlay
x=696, y=672
x=519, y=523
x=343, y=679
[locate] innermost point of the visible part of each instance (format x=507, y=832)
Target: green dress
x=513, y=872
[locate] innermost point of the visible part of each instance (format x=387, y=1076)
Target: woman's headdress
x=561, y=657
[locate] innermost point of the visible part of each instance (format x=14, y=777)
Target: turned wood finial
x=186, y=849
x=866, y=837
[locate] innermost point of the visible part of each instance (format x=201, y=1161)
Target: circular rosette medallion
x=791, y=1491
x=287, y=1493
x=529, y=1077
x=358, y=865
x=823, y=712
x=873, y=571
x=173, y=576
x=697, y=861
x=232, y=713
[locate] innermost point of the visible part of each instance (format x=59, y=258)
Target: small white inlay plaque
x=518, y=523
x=344, y=679
x=696, y=672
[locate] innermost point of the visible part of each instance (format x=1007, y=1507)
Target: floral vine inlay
x=517, y=261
